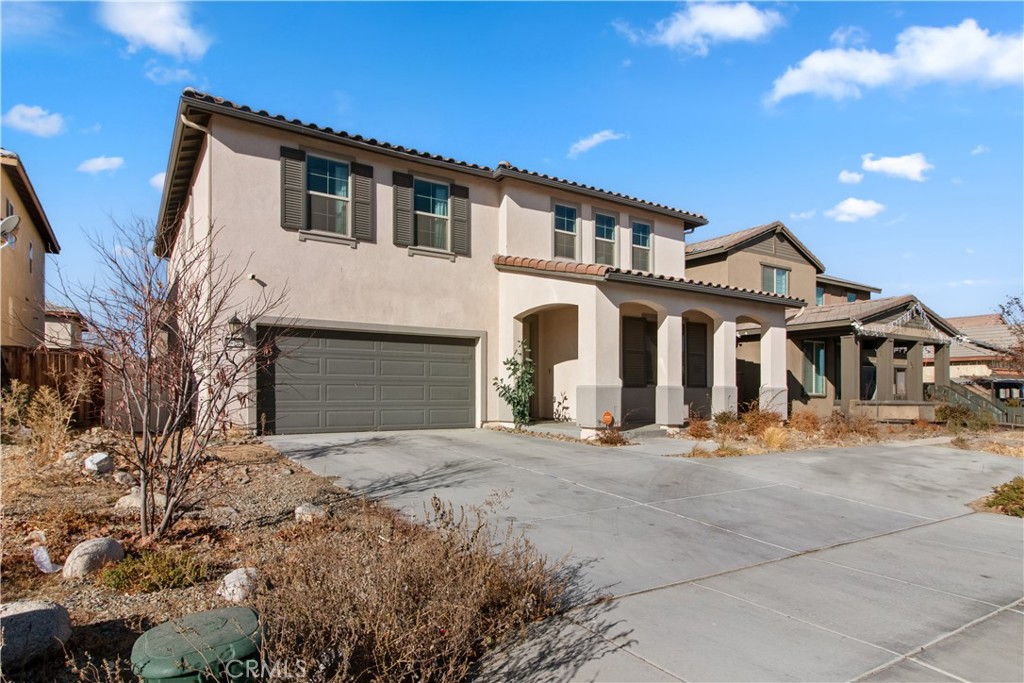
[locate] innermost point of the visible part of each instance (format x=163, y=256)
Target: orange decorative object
x=607, y=418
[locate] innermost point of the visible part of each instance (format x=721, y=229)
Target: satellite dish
x=8, y=228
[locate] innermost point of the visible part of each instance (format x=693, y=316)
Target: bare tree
x=178, y=345
x=1013, y=313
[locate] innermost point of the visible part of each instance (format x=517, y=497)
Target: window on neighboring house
x=641, y=246
x=9, y=209
x=775, y=280
x=604, y=239
x=814, y=368
x=31, y=257
x=431, y=207
x=327, y=186
x=851, y=297
x=566, y=221
x=695, y=352
x=819, y=296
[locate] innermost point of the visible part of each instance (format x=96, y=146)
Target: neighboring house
x=23, y=264
x=979, y=359
x=413, y=276
x=843, y=338
x=64, y=327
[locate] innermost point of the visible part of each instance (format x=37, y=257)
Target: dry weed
x=775, y=438
x=805, y=421
x=699, y=428
x=756, y=420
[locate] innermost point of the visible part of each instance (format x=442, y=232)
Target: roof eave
x=24, y=187
x=714, y=290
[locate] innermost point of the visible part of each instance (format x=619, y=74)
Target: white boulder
x=133, y=501
x=238, y=585
x=32, y=629
x=90, y=556
x=308, y=512
x=100, y=463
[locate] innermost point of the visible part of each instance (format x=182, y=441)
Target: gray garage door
x=322, y=381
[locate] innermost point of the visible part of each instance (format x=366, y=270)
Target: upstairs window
x=31, y=256
x=851, y=297
x=604, y=239
x=775, y=280
x=328, y=189
x=641, y=246
x=819, y=296
x=566, y=221
x=431, y=206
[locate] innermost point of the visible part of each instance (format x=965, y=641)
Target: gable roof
x=830, y=280
x=988, y=333
x=593, y=271
x=14, y=168
x=196, y=107
x=741, y=238
x=865, y=312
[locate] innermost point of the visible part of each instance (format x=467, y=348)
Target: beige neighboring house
x=412, y=276
x=842, y=338
x=64, y=327
x=979, y=359
x=23, y=264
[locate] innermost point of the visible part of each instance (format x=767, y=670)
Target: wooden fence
x=42, y=367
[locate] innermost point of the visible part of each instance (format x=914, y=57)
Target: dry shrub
x=90, y=670
x=699, y=452
x=959, y=418
x=775, y=438
x=13, y=406
x=727, y=450
x=699, y=428
x=805, y=421
x=961, y=443
x=1003, y=448
x=921, y=424
x=374, y=597
x=836, y=427
x=155, y=570
x=864, y=426
x=24, y=475
x=756, y=420
x=611, y=436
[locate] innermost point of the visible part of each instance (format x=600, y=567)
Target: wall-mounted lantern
x=236, y=333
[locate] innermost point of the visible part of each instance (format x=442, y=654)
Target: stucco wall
x=23, y=292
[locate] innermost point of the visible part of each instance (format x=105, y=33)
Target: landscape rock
x=309, y=512
x=133, y=501
x=100, y=463
x=90, y=556
x=124, y=479
x=32, y=629
x=71, y=456
x=238, y=585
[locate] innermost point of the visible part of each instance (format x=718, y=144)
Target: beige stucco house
x=411, y=276
x=22, y=264
x=980, y=359
x=845, y=350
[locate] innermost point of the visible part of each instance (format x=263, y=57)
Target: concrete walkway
x=840, y=564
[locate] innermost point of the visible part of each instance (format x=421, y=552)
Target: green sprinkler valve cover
x=220, y=645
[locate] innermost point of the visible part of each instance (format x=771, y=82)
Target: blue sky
x=888, y=136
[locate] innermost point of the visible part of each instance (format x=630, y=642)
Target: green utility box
x=220, y=646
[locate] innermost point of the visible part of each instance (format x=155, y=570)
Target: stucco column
x=942, y=365
x=510, y=333
x=884, y=374
x=774, y=394
x=670, y=404
x=849, y=350
x=915, y=372
x=600, y=386
x=723, y=389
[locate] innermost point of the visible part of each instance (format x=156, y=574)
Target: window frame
x=811, y=371
x=317, y=154
x=31, y=256
x=633, y=221
x=614, y=241
x=554, y=229
x=9, y=208
x=851, y=296
x=433, y=180
x=784, y=269
x=819, y=295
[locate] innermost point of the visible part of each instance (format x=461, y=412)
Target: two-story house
x=412, y=276
x=22, y=264
x=845, y=350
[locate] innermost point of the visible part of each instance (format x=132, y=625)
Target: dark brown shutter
x=403, y=208
x=634, y=352
x=696, y=355
x=460, y=219
x=362, y=202
x=293, y=189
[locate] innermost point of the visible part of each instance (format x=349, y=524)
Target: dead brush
x=611, y=436
x=805, y=421
x=372, y=596
x=837, y=427
x=699, y=428
x=775, y=438
x=864, y=426
x=755, y=420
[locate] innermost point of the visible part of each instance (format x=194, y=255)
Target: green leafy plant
x=1008, y=498
x=518, y=389
x=155, y=570
x=959, y=418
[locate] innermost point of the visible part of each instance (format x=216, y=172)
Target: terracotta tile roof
x=724, y=243
x=636, y=276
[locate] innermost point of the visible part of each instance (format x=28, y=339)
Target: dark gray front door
x=325, y=381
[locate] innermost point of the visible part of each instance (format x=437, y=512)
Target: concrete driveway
x=841, y=564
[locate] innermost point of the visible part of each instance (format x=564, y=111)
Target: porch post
x=723, y=389
x=510, y=333
x=884, y=375
x=774, y=394
x=942, y=365
x=600, y=386
x=670, y=406
x=915, y=372
x=849, y=350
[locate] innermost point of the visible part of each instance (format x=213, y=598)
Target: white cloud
x=161, y=26
x=909, y=166
x=695, y=28
x=34, y=120
x=969, y=283
x=99, y=164
x=968, y=250
x=852, y=210
x=93, y=129
x=157, y=181
x=850, y=177
x=163, y=75
x=980, y=149
x=31, y=19
x=848, y=35
x=956, y=180
x=803, y=215
x=965, y=53
x=588, y=143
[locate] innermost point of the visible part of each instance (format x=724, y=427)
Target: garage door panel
x=353, y=381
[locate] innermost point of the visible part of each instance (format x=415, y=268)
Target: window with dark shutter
x=403, y=228
x=696, y=354
x=362, y=202
x=460, y=219
x=293, y=189
x=634, y=352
